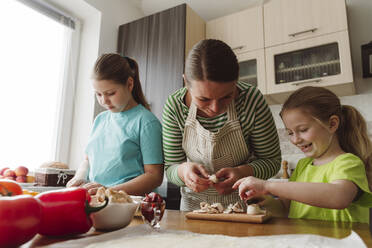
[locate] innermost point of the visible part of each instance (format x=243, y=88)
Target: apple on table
x=3, y=170
x=9, y=174
x=19, y=174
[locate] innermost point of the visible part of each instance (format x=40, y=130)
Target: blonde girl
x=333, y=182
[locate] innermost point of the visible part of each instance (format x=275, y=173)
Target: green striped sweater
x=257, y=125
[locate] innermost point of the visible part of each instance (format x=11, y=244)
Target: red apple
x=21, y=179
x=3, y=170
x=21, y=171
x=9, y=173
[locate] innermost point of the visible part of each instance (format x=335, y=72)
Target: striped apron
x=214, y=150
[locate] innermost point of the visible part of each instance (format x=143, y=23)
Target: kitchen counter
x=176, y=220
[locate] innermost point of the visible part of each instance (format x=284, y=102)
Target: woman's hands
x=194, y=175
x=227, y=177
x=251, y=187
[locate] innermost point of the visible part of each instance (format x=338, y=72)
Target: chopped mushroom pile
x=217, y=208
x=113, y=195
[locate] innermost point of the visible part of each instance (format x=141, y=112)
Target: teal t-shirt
x=121, y=143
x=346, y=166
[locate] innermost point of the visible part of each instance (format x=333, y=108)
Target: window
x=37, y=82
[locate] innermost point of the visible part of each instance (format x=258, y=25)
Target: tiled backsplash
x=291, y=153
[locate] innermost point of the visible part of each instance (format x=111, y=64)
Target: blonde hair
x=112, y=66
x=322, y=103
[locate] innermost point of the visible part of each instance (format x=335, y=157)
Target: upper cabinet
x=252, y=69
x=242, y=31
x=320, y=61
x=283, y=45
x=292, y=20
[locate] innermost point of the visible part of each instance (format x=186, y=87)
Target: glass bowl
x=152, y=213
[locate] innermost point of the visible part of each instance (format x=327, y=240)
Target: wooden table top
x=176, y=220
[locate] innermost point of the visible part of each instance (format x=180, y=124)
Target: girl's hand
x=76, y=182
x=250, y=187
x=92, y=187
x=229, y=175
x=194, y=176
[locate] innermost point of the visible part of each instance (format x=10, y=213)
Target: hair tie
x=130, y=62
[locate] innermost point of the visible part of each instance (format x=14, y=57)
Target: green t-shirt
x=347, y=167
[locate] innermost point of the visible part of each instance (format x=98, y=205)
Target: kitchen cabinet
x=252, y=69
x=285, y=44
x=159, y=43
x=320, y=61
x=242, y=31
x=292, y=20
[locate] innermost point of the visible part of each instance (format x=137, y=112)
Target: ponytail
x=353, y=137
x=137, y=92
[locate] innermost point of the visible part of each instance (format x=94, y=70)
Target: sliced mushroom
x=217, y=206
x=255, y=209
x=237, y=208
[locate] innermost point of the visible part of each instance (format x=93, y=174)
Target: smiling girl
x=125, y=148
x=333, y=182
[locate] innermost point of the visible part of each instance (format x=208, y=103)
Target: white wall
x=113, y=14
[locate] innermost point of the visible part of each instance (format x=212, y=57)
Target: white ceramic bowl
x=114, y=216
x=137, y=199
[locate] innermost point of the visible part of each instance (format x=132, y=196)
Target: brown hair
x=211, y=60
x=112, y=66
x=322, y=103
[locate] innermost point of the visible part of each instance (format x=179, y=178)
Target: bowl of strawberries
x=152, y=209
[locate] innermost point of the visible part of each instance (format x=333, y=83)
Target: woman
x=124, y=148
x=216, y=125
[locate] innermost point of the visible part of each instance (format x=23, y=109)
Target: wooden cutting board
x=234, y=217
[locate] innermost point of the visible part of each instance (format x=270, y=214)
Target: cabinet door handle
x=313, y=80
x=302, y=32
x=237, y=48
